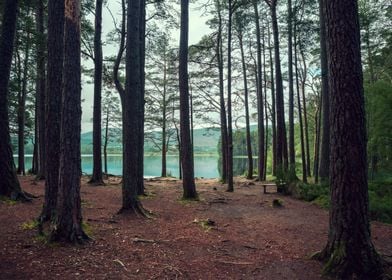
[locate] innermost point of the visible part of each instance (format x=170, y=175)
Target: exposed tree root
x=21, y=196
x=137, y=209
x=94, y=182
x=76, y=236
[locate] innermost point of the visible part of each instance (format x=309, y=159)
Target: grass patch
x=147, y=195
x=29, y=225
x=206, y=224
x=189, y=201
x=87, y=228
x=277, y=203
x=7, y=200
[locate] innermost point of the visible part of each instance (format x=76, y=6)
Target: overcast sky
x=197, y=28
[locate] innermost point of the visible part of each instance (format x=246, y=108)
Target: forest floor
x=244, y=237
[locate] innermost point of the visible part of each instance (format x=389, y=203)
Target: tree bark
x=9, y=184
x=68, y=220
x=188, y=180
x=230, y=183
x=53, y=105
x=97, y=178
x=281, y=141
x=273, y=105
x=130, y=100
x=325, y=146
x=291, y=172
x=40, y=90
x=349, y=251
x=260, y=102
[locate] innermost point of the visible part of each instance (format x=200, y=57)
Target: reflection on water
x=205, y=166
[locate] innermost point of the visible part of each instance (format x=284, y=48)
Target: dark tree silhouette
x=188, y=180
x=349, y=251
x=68, y=221
x=9, y=184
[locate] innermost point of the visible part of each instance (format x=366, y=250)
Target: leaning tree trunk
x=40, y=90
x=9, y=184
x=68, y=221
x=188, y=180
x=97, y=178
x=324, y=154
x=349, y=251
x=53, y=103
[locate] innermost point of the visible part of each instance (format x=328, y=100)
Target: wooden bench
x=265, y=185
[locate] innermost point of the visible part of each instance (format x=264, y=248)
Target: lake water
x=205, y=166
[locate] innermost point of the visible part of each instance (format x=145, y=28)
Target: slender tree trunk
x=230, y=183
x=265, y=107
x=53, y=103
x=9, y=184
x=41, y=95
x=349, y=250
x=163, y=144
x=316, y=159
x=273, y=105
x=223, y=119
x=325, y=146
x=292, y=173
x=188, y=180
x=260, y=106
x=22, y=108
x=246, y=105
x=68, y=220
x=96, y=177
x=105, y=143
x=306, y=126
x=301, y=126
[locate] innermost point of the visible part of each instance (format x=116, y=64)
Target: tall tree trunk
x=68, y=219
x=246, y=105
x=164, y=107
x=316, y=159
x=281, y=142
x=230, y=183
x=260, y=102
x=306, y=126
x=41, y=95
x=105, y=143
x=301, y=126
x=265, y=107
x=223, y=119
x=142, y=42
x=349, y=250
x=9, y=184
x=130, y=101
x=53, y=105
x=96, y=177
x=325, y=146
x=22, y=108
x=273, y=105
x=188, y=181
x=292, y=174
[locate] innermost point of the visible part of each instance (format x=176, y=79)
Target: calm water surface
x=205, y=166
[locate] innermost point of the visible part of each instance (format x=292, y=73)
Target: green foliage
x=29, y=225
x=380, y=197
x=277, y=203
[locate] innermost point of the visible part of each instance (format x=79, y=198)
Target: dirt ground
x=247, y=238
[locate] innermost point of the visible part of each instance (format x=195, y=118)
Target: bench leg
x=265, y=191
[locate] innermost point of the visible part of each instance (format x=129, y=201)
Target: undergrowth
x=380, y=198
